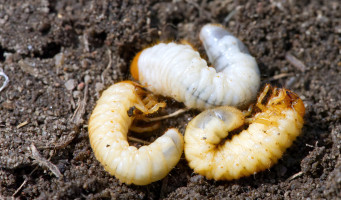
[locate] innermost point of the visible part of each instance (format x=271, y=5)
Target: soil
x=60, y=55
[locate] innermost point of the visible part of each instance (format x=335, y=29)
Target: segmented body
x=108, y=128
x=269, y=134
x=178, y=71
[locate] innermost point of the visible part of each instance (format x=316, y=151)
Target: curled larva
x=270, y=132
x=178, y=71
x=108, y=128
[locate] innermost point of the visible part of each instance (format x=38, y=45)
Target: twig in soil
x=295, y=176
x=24, y=182
x=86, y=42
x=202, y=13
x=278, y=5
x=108, y=66
x=63, y=144
x=295, y=62
x=27, y=68
x=174, y=114
x=36, y=155
x=5, y=83
x=80, y=110
x=72, y=102
x=138, y=140
x=279, y=76
x=308, y=145
x=22, y=124
x=44, y=162
x=229, y=16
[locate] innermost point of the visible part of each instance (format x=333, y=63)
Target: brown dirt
x=35, y=33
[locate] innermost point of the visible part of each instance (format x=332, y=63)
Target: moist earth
x=60, y=55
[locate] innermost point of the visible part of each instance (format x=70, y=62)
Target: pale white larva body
x=178, y=71
x=255, y=149
x=108, y=128
x=223, y=49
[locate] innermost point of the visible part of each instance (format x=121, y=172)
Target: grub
x=41, y=33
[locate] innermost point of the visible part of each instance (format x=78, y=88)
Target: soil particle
x=47, y=44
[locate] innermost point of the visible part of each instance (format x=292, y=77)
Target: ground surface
x=59, y=56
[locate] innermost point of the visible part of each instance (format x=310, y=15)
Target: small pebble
x=87, y=79
x=70, y=84
x=59, y=59
x=28, y=83
x=80, y=86
x=76, y=94
x=99, y=87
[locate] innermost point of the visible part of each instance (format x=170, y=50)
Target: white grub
x=178, y=71
x=270, y=132
x=108, y=128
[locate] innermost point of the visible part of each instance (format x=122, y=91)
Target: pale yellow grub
x=108, y=127
x=257, y=148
